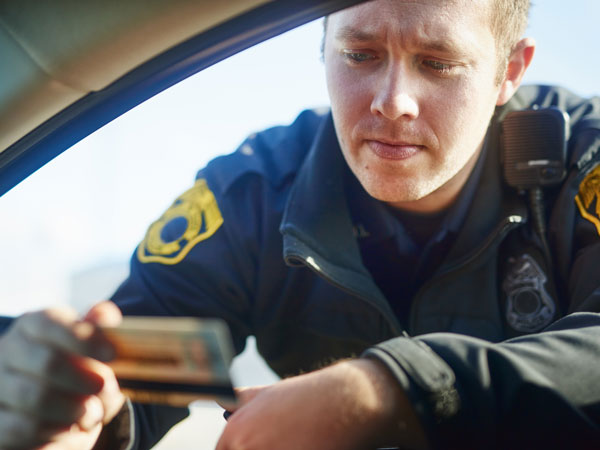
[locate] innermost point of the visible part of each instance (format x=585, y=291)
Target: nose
x=395, y=95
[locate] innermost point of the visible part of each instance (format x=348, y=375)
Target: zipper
x=388, y=316
x=507, y=225
x=498, y=234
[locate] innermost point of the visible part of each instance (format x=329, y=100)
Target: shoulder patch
x=588, y=197
x=193, y=217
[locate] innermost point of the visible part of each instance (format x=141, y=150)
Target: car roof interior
x=69, y=67
x=56, y=52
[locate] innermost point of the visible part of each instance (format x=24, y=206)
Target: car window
x=69, y=229
x=79, y=217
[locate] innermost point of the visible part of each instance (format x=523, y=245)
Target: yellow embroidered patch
x=589, y=190
x=193, y=217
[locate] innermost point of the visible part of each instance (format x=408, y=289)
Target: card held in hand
x=172, y=360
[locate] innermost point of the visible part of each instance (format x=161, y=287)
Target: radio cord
x=536, y=206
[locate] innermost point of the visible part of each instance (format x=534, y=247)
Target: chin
x=397, y=193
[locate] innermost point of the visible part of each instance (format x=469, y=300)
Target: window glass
x=69, y=229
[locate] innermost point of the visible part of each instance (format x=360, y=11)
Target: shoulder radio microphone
x=534, y=157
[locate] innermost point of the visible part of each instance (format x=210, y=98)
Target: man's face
x=412, y=87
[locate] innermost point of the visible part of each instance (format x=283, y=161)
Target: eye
x=438, y=66
x=357, y=57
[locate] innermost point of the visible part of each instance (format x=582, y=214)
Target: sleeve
x=138, y=426
x=536, y=391
x=539, y=390
x=195, y=260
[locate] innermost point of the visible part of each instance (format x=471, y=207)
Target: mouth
x=395, y=151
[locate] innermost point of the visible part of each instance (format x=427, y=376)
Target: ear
x=518, y=62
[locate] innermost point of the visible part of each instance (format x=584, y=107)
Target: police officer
x=393, y=219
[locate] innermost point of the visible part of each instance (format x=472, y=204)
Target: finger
x=73, y=439
x=243, y=396
x=93, y=414
x=105, y=314
x=54, y=367
x=226, y=405
x=60, y=328
x=246, y=394
x=88, y=377
x=42, y=403
x=20, y=431
x=110, y=395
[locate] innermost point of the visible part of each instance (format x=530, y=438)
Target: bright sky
x=91, y=206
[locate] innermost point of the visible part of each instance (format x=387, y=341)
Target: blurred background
x=68, y=231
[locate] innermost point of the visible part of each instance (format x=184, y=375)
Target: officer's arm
x=352, y=405
x=533, y=391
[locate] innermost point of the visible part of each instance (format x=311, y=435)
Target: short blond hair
x=508, y=22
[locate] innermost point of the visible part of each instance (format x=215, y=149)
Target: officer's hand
x=350, y=405
x=55, y=393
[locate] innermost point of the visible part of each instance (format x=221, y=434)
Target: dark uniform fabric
x=292, y=250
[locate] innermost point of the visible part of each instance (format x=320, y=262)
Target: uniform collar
x=316, y=211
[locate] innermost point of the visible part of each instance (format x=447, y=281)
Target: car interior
x=69, y=68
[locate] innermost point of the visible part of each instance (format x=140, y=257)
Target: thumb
x=105, y=314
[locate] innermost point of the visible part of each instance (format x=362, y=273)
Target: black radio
x=535, y=147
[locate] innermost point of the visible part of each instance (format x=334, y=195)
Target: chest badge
x=529, y=307
x=588, y=197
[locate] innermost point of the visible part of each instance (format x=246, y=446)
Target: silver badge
x=529, y=307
